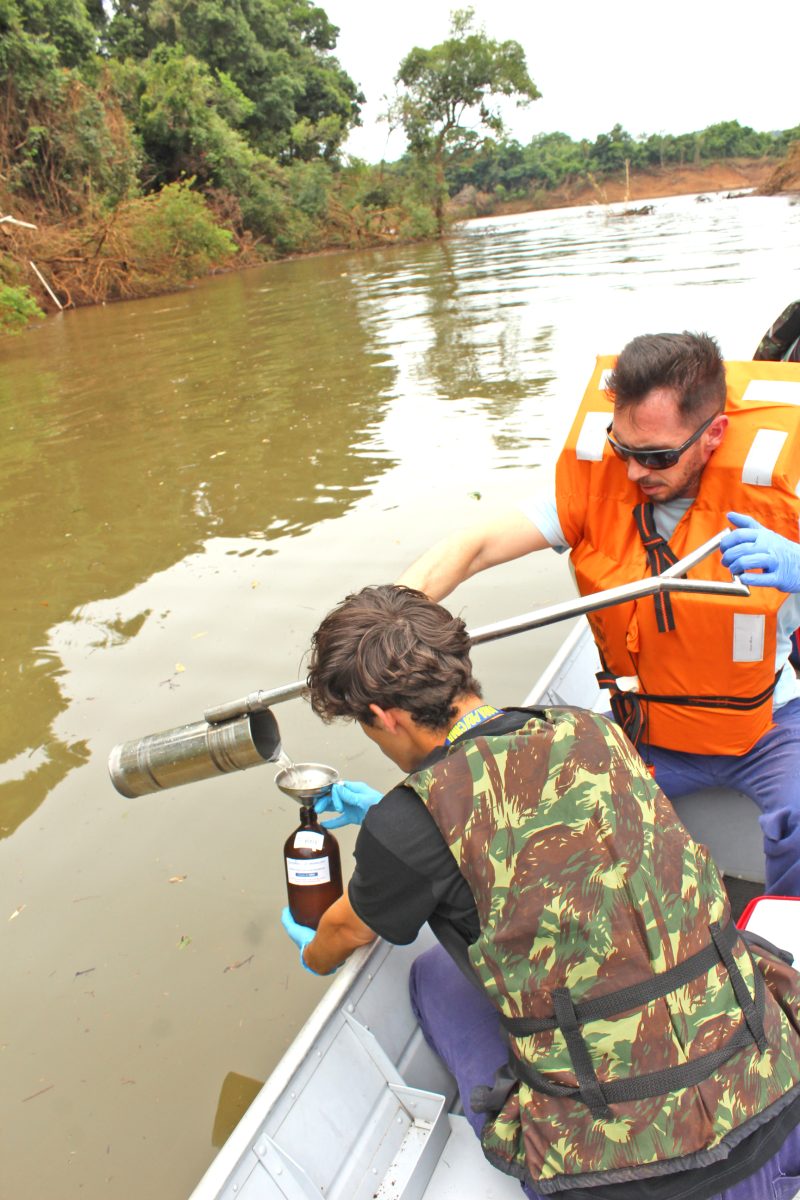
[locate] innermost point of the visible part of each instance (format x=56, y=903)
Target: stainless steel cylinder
x=193, y=752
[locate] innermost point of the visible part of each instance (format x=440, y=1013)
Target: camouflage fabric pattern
x=584, y=878
x=781, y=342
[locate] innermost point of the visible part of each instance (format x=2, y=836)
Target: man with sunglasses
x=701, y=684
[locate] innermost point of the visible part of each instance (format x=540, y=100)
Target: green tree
x=63, y=139
x=550, y=159
x=17, y=308
x=729, y=139
x=612, y=150
x=446, y=87
x=188, y=119
x=277, y=52
x=64, y=24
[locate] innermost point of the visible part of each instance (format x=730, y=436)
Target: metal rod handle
x=254, y=702
x=668, y=581
x=593, y=603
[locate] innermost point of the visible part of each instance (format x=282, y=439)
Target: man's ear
x=716, y=431
x=385, y=717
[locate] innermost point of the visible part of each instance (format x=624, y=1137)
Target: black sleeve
x=405, y=873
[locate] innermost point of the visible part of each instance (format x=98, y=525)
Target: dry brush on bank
x=786, y=176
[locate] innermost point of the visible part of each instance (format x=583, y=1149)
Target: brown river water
x=188, y=484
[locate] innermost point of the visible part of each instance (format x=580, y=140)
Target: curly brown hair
x=391, y=646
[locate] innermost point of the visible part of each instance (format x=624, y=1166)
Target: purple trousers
x=769, y=774
x=461, y=1026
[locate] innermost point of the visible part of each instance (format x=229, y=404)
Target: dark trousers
x=769, y=774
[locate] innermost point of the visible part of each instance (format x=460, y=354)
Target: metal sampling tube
x=243, y=733
x=189, y=753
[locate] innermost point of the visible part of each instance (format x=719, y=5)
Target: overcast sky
x=671, y=67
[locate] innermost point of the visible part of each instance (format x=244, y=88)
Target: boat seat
x=383, y=1136
x=727, y=822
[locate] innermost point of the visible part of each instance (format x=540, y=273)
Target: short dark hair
x=391, y=646
x=689, y=363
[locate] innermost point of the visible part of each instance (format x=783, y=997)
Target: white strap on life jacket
x=772, y=391
x=592, y=437
x=762, y=457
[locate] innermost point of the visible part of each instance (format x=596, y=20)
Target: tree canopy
x=277, y=52
x=445, y=90
x=147, y=140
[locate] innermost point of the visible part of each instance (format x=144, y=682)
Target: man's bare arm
x=499, y=539
x=340, y=932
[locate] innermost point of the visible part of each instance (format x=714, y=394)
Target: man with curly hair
x=612, y=1034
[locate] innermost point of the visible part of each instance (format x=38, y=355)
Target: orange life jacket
x=705, y=664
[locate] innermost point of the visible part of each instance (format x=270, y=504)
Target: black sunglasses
x=656, y=460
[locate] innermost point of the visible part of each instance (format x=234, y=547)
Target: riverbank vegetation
x=552, y=166
x=151, y=142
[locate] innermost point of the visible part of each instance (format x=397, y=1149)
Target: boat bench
x=389, y=1127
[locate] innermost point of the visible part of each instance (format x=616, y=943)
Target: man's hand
x=301, y=935
x=350, y=800
x=751, y=546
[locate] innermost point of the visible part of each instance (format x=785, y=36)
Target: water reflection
x=132, y=434
x=188, y=484
x=267, y=401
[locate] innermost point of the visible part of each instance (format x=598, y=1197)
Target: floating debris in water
x=235, y=966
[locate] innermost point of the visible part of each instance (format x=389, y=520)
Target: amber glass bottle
x=313, y=869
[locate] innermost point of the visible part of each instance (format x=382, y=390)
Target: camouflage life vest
x=645, y=1036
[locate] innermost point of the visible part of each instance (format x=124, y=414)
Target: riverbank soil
x=729, y=175
x=786, y=176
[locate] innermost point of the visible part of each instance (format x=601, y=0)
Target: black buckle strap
x=629, y=707
x=659, y=556
x=589, y=1088
x=736, y=703
x=642, y=1087
x=598, y=1096
x=626, y=706
x=754, y=1021
x=637, y=994
x=629, y=715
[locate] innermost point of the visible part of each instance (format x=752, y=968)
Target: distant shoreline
x=725, y=175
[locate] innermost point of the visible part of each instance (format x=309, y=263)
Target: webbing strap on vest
x=589, y=1088
x=484, y=1098
x=627, y=706
x=568, y=1018
x=753, y=1019
x=637, y=994
x=644, y=1087
x=659, y=556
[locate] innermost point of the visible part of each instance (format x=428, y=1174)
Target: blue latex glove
x=351, y=800
x=301, y=935
x=751, y=545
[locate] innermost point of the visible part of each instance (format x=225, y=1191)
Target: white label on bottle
x=305, y=872
x=305, y=839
